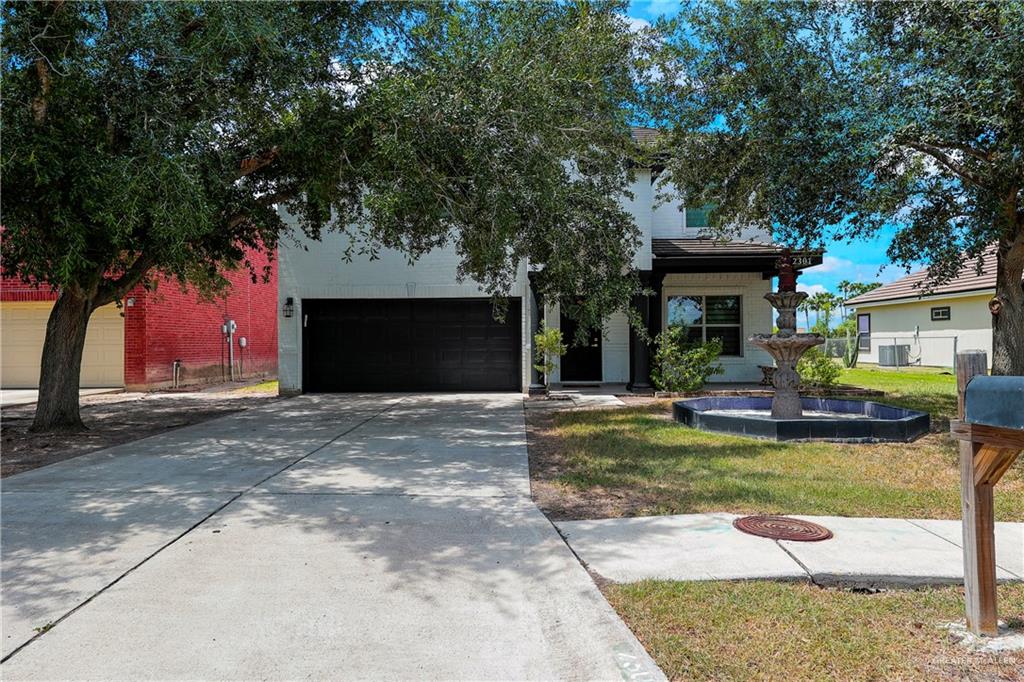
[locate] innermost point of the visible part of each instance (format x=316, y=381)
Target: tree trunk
x=57, y=407
x=1008, y=324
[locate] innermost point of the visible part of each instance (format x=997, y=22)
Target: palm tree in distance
x=805, y=308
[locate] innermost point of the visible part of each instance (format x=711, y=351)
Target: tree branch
x=113, y=290
x=986, y=157
x=945, y=159
x=266, y=201
x=40, y=101
x=254, y=163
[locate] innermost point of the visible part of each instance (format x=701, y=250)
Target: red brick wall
x=13, y=289
x=168, y=324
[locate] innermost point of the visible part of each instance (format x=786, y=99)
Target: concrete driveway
x=9, y=397
x=320, y=537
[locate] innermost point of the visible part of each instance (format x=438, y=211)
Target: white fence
x=897, y=349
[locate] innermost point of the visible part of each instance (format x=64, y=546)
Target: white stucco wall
x=320, y=271
x=755, y=314
x=640, y=206
x=668, y=220
x=310, y=269
x=931, y=343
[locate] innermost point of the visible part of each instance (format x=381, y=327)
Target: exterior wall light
x=289, y=307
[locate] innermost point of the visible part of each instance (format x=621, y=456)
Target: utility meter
x=242, y=341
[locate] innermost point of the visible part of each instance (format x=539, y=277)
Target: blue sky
x=862, y=261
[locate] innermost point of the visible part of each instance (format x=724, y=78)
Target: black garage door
x=432, y=344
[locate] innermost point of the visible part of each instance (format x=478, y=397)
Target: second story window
x=697, y=217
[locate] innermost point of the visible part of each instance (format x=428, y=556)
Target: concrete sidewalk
x=321, y=537
x=863, y=552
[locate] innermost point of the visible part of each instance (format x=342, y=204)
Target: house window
x=940, y=314
x=709, y=317
x=698, y=217
x=864, y=331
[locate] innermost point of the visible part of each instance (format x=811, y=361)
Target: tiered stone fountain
x=786, y=346
x=782, y=416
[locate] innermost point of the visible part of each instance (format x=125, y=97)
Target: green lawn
x=637, y=461
x=920, y=388
x=785, y=631
x=261, y=387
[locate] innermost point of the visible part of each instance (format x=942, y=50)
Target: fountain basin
x=826, y=419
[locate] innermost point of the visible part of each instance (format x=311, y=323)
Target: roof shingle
x=682, y=248
x=915, y=284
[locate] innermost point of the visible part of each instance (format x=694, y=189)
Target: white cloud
x=811, y=289
x=832, y=264
x=889, y=273
x=843, y=268
x=661, y=7
x=636, y=24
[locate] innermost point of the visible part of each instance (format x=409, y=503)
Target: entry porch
x=715, y=288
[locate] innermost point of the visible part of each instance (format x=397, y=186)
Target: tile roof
x=645, y=135
x=915, y=284
x=683, y=248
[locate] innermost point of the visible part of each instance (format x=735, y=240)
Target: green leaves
x=681, y=365
x=818, y=120
x=548, y=347
x=173, y=130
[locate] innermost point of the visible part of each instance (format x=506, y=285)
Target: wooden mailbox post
x=991, y=434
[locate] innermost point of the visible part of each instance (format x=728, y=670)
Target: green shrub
x=680, y=365
x=845, y=328
x=817, y=369
x=547, y=348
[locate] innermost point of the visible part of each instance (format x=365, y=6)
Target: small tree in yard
x=146, y=140
x=547, y=348
x=838, y=119
x=680, y=365
x=817, y=369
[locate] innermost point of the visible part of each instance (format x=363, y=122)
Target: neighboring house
x=384, y=325
x=136, y=346
x=904, y=323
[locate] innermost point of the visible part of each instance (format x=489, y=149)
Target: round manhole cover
x=782, y=528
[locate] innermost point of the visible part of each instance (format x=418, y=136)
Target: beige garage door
x=21, y=345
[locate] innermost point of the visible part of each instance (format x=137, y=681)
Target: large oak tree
x=829, y=119
x=148, y=140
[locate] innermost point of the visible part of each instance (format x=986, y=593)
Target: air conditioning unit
x=894, y=355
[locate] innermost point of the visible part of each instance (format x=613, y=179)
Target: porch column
x=657, y=279
x=639, y=351
x=537, y=310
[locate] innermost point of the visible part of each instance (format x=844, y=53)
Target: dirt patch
x=113, y=419
x=548, y=461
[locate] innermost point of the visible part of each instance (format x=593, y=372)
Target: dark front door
x=409, y=345
x=581, y=362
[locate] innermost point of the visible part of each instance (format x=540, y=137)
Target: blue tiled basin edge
x=883, y=422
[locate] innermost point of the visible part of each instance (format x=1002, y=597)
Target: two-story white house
x=385, y=325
